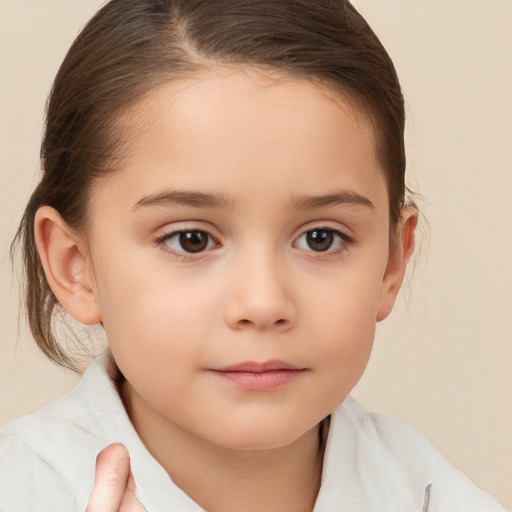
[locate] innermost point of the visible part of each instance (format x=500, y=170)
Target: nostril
x=282, y=324
x=244, y=322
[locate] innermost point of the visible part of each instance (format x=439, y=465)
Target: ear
x=65, y=261
x=401, y=249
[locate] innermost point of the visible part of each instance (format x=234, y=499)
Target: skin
x=271, y=146
x=114, y=485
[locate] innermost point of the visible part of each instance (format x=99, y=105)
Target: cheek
x=148, y=318
x=147, y=294
x=345, y=345
x=343, y=322
x=154, y=342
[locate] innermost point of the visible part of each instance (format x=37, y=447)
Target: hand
x=114, y=485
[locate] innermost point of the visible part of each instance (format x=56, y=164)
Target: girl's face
x=240, y=259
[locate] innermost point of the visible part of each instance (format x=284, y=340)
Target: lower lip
x=261, y=381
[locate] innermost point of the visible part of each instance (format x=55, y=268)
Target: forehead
x=226, y=128
x=236, y=91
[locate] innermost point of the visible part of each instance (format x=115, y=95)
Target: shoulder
x=27, y=482
x=47, y=458
x=402, y=458
x=57, y=429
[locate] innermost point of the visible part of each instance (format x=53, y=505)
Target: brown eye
x=321, y=240
x=191, y=242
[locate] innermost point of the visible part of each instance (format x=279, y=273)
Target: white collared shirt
x=371, y=463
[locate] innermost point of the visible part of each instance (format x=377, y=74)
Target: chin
x=260, y=437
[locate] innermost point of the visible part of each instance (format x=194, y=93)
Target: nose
x=260, y=298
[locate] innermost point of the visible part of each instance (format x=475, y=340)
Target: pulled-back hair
x=132, y=46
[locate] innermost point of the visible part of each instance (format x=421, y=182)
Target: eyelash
x=163, y=242
x=344, y=241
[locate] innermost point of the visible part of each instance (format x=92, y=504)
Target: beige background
x=443, y=361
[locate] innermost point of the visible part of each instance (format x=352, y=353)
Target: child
x=224, y=192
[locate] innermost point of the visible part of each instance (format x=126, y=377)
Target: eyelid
x=342, y=230
x=169, y=232
x=346, y=239
x=171, y=228
x=174, y=229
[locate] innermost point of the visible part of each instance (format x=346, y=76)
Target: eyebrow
x=333, y=199
x=184, y=198
x=202, y=200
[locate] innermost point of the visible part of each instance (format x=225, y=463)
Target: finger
x=131, y=504
x=131, y=485
x=112, y=472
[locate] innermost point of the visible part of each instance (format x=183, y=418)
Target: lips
x=256, y=376
x=255, y=367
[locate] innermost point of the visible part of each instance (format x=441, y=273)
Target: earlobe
x=400, y=252
x=65, y=264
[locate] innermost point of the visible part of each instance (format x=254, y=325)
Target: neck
x=280, y=479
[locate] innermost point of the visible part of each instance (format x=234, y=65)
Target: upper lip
x=257, y=367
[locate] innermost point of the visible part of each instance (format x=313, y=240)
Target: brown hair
x=131, y=46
